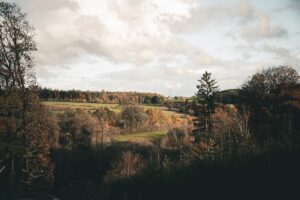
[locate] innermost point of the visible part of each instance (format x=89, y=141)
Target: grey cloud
x=262, y=30
x=245, y=11
x=275, y=55
x=283, y=56
x=241, y=12
x=279, y=51
x=293, y=5
x=47, y=5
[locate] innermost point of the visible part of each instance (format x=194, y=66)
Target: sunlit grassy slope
x=60, y=107
x=144, y=137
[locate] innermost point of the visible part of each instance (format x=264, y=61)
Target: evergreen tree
x=204, y=107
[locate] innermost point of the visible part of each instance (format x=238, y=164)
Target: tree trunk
x=12, y=171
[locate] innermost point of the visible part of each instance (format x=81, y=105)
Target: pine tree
x=204, y=107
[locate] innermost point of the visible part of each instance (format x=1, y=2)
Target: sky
x=160, y=46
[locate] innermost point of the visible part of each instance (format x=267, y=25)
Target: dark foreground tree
x=24, y=145
x=271, y=96
x=204, y=107
x=130, y=164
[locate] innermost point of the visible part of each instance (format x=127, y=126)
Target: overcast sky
x=160, y=45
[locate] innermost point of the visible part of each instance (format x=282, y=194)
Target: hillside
x=59, y=107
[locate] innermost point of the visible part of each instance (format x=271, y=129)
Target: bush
x=129, y=164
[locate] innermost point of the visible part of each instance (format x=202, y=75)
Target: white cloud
x=152, y=45
x=125, y=31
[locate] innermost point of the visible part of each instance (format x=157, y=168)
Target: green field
x=60, y=107
x=145, y=137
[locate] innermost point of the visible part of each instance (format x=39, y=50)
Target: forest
x=89, y=145
x=46, y=94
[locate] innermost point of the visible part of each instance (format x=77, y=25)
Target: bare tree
x=129, y=164
x=17, y=46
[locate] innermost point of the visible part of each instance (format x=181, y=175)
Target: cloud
x=262, y=30
x=252, y=24
x=283, y=56
x=47, y=6
x=131, y=31
x=170, y=80
x=244, y=10
x=278, y=51
x=293, y=5
x=151, y=74
x=154, y=45
x=202, y=15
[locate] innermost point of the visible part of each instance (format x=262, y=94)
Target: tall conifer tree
x=204, y=107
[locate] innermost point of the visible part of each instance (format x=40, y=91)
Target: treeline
x=181, y=104
x=47, y=94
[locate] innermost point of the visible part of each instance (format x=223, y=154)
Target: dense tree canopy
x=101, y=97
x=270, y=96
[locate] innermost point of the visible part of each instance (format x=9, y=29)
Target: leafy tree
x=157, y=99
x=231, y=131
x=54, y=130
x=155, y=116
x=134, y=118
x=269, y=95
x=204, y=107
x=79, y=129
x=178, y=138
x=23, y=130
x=130, y=164
x=169, y=105
x=106, y=119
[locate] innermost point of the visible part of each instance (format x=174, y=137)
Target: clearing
x=140, y=138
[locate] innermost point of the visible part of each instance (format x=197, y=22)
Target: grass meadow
x=140, y=138
x=59, y=107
